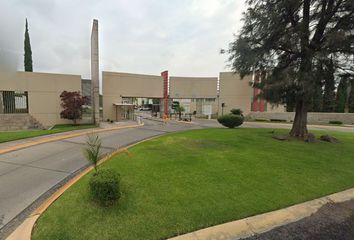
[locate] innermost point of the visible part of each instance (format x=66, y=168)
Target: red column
x=165, y=92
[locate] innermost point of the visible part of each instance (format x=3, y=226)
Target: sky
x=136, y=36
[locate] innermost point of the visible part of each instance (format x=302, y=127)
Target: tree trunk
x=299, y=128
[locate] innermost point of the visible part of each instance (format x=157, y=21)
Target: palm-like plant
x=92, y=152
x=179, y=110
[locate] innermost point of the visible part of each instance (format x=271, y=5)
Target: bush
x=335, y=122
x=277, y=120
x=261, y=120
x=104, y=186
x=237, y=111
x=231, y=120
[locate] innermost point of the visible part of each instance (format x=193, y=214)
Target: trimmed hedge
x=262, y=120
x=237, y=111
x=231, y=120
x=104, y=186
x=277, y=120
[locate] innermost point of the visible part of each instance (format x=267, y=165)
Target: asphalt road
x=28, y=175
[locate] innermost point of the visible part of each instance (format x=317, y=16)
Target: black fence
x=13, y=102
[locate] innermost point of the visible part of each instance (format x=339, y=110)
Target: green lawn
x=11, y=136
x=186, y=181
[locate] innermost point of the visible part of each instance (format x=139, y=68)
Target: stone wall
x=18, y=121
x=313, y=117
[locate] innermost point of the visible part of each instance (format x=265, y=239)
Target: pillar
x=165, y=93
x=95, y=92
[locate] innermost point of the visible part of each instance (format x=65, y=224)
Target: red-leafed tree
x=72, y=103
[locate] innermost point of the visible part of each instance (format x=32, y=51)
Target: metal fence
x=13, y=102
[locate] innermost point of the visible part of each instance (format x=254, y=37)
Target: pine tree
x=317, y=96
x=28, y=52
x=329, y=95
x=285, y=38
x=342, y=95
x=351, y=96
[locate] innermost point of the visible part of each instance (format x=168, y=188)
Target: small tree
x=179, y=109
x=92, y=152
x=72, y=103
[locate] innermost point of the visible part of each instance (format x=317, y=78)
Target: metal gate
x=13, y=102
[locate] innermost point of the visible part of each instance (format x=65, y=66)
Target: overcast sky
x=139, y=36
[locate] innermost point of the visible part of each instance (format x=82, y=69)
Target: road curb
x=62, y=137
x=250, y=226
x=24, y=230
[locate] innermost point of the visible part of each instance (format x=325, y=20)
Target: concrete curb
x=24, y=231
x=250, y=226
x=62, y=137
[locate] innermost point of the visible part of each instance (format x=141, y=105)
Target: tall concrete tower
x=95, y=86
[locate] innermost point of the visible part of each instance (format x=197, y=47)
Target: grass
x=16, y=135
x=190, y=180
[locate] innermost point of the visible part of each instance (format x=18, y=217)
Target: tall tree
x=329, y=94
x=285, y=38
x=28, y=51
x=317, y=96
x=342, y=94
x=351, y=96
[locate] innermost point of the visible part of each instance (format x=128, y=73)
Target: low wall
x=18, y=121
x=312, y=117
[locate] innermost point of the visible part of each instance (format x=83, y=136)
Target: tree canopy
x=288, y=39
x=72, y=104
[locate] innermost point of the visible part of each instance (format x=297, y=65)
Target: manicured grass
x=186, y=181
x=11, y=136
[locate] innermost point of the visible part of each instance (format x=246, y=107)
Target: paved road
x=27, y=174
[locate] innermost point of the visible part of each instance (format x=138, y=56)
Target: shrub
x=277, y=120
x=92, y=151
x=335, y=122
x=231, y=120
x=104, y=186
x=237, y=111
x=261, y=120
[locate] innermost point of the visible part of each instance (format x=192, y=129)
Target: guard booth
x=124, y=111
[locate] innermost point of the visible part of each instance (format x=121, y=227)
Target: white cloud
x=140, y=36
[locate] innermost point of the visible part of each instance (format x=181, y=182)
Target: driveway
x=28, y=176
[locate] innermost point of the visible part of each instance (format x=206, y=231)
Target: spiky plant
x=92, y=151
